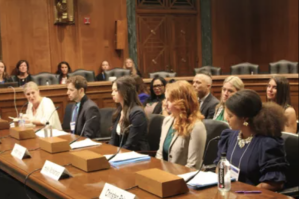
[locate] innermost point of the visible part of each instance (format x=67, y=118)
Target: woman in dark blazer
x=129, y=120
x=63, y=69
x=104, y=66
x=23, y=76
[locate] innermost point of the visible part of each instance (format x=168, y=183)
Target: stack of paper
x=84, y=143
x=128, y=157
x=55, y=133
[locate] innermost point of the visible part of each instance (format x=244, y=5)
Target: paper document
x=84, y=143
x=128, y=157
x=55, y=133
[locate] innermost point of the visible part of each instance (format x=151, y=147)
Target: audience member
x=40, y=109
x=231, y=85
x=104, y=66
x=63, y=69
x=154, y=103
x=4, y=77
x=129, y=120
x=23, y=76
x=141, y=89
x=183, y=135
x=278, y=91
x=202, y=84
x=84, y=108
x=129, y=64
x=254, y=145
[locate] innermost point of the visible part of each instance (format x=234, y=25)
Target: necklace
x=242, y=142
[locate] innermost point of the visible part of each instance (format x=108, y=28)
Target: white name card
x=112, y=192
x=55, y=171
x=20, y=152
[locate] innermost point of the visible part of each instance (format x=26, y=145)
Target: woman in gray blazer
x=183, y=136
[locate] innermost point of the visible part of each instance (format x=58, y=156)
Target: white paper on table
x=125, y=156
x=55, y=133
x=201, y=179
x=84, y=143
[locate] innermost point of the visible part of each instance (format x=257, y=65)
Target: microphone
x=83, y=129
x=120, y=145
x=203, y=158
x=56, y=108
x=25, y=104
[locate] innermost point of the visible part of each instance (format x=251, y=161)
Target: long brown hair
x=184, y=99
x=282, y=96
x=140, y=85
x=5, y=75
x=133, y=69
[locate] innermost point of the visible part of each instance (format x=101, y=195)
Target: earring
x=245, y=123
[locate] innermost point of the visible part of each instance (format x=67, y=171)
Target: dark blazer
x=100, y=77
x=208, y=107
x=22, y=82
x=136, y=137
x=87, y=110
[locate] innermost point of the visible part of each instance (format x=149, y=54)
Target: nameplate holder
x=54, y=144
x=112, y=192
x=55, y=171
x=160, y=183
x=89, y=161
x=20, y=152
x=22, y=133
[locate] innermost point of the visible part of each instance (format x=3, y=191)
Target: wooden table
x=89, y=185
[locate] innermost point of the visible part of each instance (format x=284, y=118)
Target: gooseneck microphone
x=203, y=158
x=56, y=108
x=120, y=145
x=25, y=104
x=83, y=129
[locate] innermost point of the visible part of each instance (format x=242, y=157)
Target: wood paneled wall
x=28, y=32
x=254, y=31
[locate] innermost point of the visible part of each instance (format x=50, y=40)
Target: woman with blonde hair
x=231, y=85
x=4, y=77
x=40, y=109
x=183, y=135
x=129, y=64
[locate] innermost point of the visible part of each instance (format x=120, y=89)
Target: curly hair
x=184, y=99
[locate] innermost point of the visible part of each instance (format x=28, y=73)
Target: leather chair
x=214, y=129
x=163, y=74
x=67, y=117
x=283, y=67
x=45, y=79
x=14, y=78
x=244, y=68
x=106, y=124
x=291, y=188
x=211, y=69
x=88, y=74
x=117, y=72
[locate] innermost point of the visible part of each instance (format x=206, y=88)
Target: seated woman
x=254, y=144
x=63, y=69
x=129, y=64
x=129, y=121
x=101, y=76
x=23, y=76
x=278, y=90
x=183, y=136
x=3, y=75
x=40, y=109
x=231, y=85
x=154, y=103
x=141, y=89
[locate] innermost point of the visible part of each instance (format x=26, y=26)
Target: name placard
x=20, y=152
x=112, y=192
x=55, y=171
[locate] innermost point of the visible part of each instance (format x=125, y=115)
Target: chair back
x=154, y=130
x=211, y=69
x=88, y=74
x=106, y=122
x=67, y=117
x=116, y=72
x=283, y=67
x=163, y=74
x=291, y=149
x=14, y=78
x=45, y=79
x=244, y=68
x=214, y=129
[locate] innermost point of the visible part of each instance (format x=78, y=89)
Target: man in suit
x=202, y=83
x=84, y=109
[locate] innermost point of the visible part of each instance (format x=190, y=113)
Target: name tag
x=55, y=171
x=112, y=192
x=234, y=172
x=73, y=125
x=20, y=152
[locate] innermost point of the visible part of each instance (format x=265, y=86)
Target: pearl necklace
x=242, y=142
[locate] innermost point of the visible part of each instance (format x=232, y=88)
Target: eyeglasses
x=158, y=86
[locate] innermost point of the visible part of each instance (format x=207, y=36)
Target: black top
x=101, y=77
x=135, y=138
x=22, y=82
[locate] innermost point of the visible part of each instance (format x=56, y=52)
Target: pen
x=248, y=192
